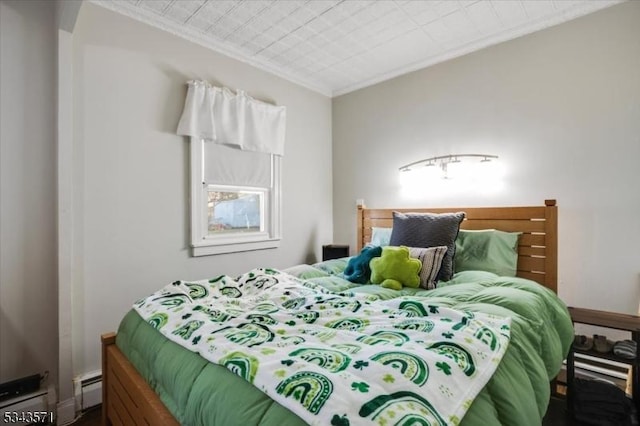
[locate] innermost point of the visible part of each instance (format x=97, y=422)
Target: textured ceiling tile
x=217, y=8
x=425, y=17
x=156, y=6
x=315, y=67
x=538, y=8
x=248, y=8
x=467, y=3
x=438, y=31
x=301, y=49
x=460, y=25
x=566, y=4
x=373, y=60
x=352, y=45
x=317, y=42
x=263, y=41
x=391, y=25
x=361, y=34
x=306, y=14
x=259, y=24
x=251, y=48
x=187, y=5
x=335, y=46
x=335, y=15
x=276, y=49
x=446, y=7
x=227, y=26
x=289, y=6
x=200, y=24
x=352, y=8
x=275, y=32
x=340, y=51
x=304, y=33
x=510, y=13
x=406, y=48
x=319, y=25
x=303, y=62
x=322, y=57
x=241, y=36
x=483, y=16
x=291, y=40
x=381, y=8
x=320, y=6
x=178, y=15
x=334, y=34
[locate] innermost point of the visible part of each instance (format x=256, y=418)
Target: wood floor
x=555, y=416
x=91, y=417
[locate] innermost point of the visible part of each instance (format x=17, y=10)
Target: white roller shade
x=224, y=165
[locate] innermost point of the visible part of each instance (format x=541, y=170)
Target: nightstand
x=334, y=251
x=613, y=320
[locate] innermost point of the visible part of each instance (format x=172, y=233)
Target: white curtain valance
x=217, y=114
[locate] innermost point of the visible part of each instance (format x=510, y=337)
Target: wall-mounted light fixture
x=450, y=166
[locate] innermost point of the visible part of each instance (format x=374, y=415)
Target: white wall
x=561, y=108
x=131, y=210
x=28, y=328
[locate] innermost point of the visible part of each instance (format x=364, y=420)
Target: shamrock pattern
x=334, y=358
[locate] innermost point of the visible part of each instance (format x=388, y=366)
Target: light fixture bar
x=445, y=159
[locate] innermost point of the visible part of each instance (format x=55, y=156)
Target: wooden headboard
x=538, y=244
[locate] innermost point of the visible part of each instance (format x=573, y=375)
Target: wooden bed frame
x=127, y=399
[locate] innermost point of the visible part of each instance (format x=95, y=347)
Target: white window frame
x=202, y=243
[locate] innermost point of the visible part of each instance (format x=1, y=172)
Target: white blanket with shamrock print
x=335, y=358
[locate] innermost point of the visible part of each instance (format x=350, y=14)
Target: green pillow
x=380, y=236
x=487, y=250
x=305, y=271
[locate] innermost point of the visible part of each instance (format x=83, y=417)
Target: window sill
x=209, y=249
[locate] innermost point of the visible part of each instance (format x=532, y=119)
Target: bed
x=150, y=379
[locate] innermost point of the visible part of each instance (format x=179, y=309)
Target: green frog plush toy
x=395, y=269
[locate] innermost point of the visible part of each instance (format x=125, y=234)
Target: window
x=235, y=173
x=235, y=199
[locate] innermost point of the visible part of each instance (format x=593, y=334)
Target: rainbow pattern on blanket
x=335, y=358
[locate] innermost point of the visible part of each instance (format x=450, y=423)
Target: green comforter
x=194, y=390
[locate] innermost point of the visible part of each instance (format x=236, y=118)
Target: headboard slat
x=528, y=263
x=534, y=276
x=524, y=250
x=532, y=240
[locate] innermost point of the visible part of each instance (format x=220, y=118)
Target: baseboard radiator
x=88, y=390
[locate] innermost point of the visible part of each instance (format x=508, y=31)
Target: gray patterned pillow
x=428, y=230
x=431, y=259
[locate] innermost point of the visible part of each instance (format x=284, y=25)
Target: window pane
x=234, y=212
